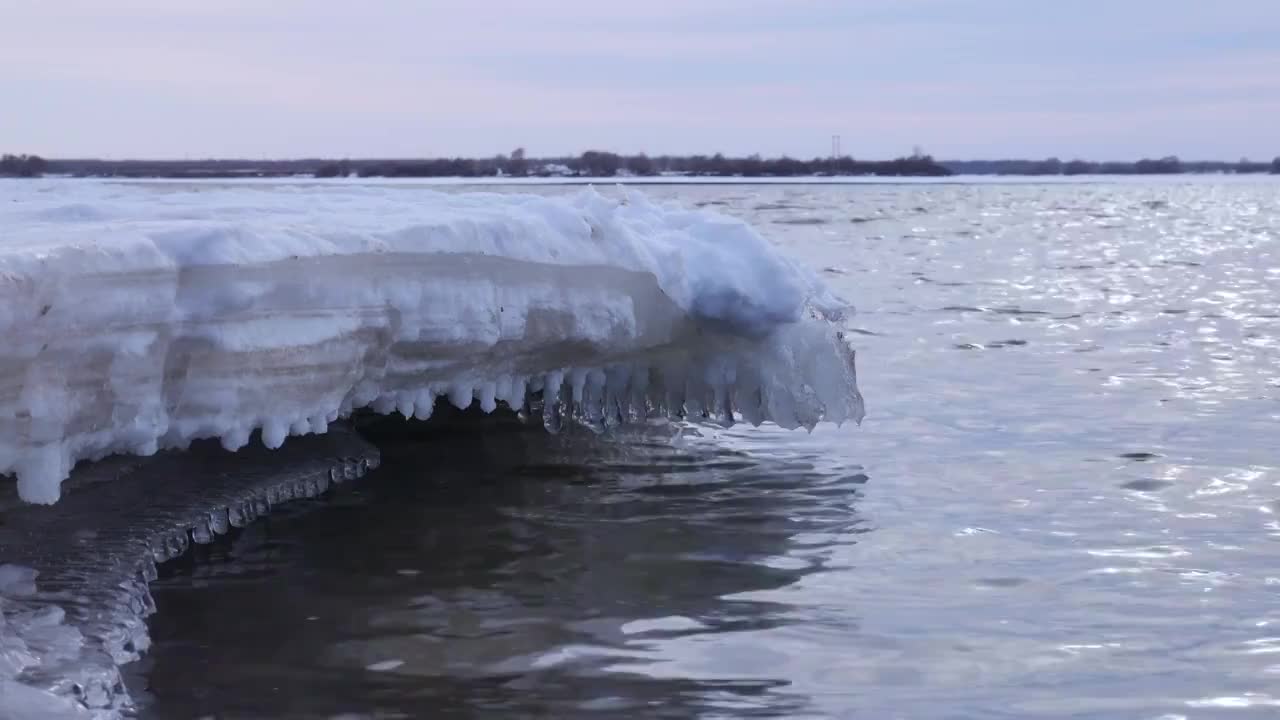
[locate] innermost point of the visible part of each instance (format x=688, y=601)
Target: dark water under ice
x=1063, y=503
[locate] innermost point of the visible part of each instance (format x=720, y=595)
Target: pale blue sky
x=961, y=78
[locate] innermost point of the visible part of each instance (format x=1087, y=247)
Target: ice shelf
x=139, y=317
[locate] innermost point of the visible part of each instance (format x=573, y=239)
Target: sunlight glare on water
x=1064, y=502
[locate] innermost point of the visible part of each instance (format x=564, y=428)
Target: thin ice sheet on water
x=74, y=576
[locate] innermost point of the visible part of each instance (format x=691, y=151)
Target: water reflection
x=1083, y=525
x=506, y=570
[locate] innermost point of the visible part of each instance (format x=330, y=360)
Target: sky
x=1097, y=79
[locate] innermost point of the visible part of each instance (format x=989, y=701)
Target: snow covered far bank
x=143, y=316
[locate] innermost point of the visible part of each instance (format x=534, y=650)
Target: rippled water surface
x=1064, y=502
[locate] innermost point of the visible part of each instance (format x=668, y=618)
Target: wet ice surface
x=1063, y=503
x=74, y=579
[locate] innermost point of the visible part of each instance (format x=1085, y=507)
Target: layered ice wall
x=139, y=317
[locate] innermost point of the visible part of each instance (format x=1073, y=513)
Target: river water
x=1064, y=502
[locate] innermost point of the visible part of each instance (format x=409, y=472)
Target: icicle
x=404, y=404
x=460, y=395
x=235, y=438
x=638, y=394
x=551, y=410
x=502, y=391
x=219, y=521
x=273, y=433
x=201, y=533
x=424, y=403
x=384, y=404
x=486, y=393
x=519, y=397
x=592, y=405
x=673, y=397
x=236, y=516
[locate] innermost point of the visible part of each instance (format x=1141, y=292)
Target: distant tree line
x=181, y=169
x=1170, y=165
x=593, y=163
x=596, y=163
x=22, y=166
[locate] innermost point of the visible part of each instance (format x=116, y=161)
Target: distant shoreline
x=597, y=166
x=656, y=182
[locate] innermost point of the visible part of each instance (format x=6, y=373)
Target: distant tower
x=835, y=146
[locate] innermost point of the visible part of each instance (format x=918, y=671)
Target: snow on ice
x=138, y=317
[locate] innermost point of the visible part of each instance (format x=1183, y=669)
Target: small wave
x=1013, y=311
x=802, y=221
x=1146, y=485
x=996, y=345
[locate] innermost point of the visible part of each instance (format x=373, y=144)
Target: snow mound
x=138, y=317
